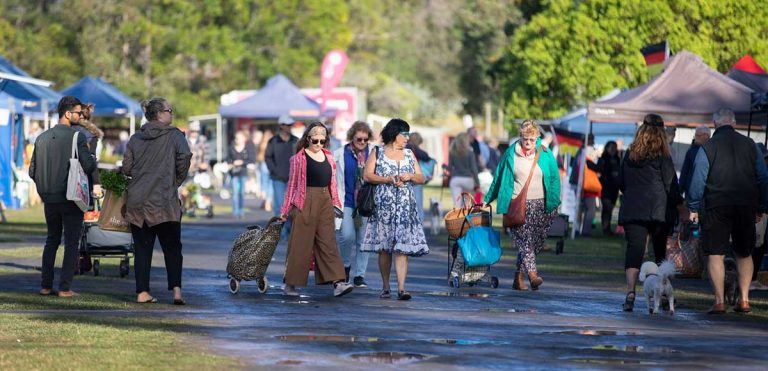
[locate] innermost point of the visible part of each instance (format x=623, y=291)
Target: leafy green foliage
x=572, y=52
x=113, y=181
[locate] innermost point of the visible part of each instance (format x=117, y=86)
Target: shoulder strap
x=74, y=146
x=524, y=191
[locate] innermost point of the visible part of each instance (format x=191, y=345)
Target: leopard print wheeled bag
x=253, y=250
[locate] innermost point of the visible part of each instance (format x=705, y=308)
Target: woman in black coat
x=608, y=167
x=650, y=194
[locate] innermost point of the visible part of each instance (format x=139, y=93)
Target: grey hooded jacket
x=156, y=161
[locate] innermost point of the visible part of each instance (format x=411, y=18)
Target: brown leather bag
x=515, y=215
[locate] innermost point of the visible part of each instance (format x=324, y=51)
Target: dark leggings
x=169, y=234
x=607, y=212
x=757, y=259
x=636, y=235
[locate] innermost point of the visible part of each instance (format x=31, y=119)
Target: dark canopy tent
x=749, y=73
x=108, y=100
x=278, y=97
x=688, y=91
x=36, y=98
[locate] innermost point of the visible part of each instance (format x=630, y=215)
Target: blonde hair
x=530, y=127
x=460, y=145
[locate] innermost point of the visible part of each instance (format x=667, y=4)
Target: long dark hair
x=304, y=141
x=607, y=155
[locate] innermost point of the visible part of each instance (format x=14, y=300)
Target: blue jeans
x=238, y=189
x=266, y=182
x=279, y=187
x=418, y=194
x=349, y=238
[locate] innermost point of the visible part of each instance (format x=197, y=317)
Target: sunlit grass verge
x=21, y=222
x=66, y=341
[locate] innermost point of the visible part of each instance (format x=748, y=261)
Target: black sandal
x=629, y=303
x=403, y=295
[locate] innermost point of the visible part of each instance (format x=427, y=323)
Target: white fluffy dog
x=434, y=215
x=657, y=284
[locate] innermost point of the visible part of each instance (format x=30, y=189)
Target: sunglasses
x=170, y=110
x=405, y=134
x=317, y=141
x=362, y=140
x=79, y=113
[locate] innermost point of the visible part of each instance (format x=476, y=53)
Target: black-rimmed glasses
x=362, y=140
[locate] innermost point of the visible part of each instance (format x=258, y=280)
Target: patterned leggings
x=530, y=237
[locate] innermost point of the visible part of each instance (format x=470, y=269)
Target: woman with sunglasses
x=310, y=198
x=528, y=159
x=395, y=227
x=350, y=162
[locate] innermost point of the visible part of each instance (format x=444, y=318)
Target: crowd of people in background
x=313, y=185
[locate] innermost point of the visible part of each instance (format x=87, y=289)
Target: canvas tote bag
x=77, y=181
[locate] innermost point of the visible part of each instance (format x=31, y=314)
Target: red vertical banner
x=331, y=72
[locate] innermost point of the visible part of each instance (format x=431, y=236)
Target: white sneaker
x=757, y=286
x=342, y=288
x=290, y=290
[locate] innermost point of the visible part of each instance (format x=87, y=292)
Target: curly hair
x=650, y=141
x=530, y=127
x=359, y=126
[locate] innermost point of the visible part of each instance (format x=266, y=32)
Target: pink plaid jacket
x=296, y=189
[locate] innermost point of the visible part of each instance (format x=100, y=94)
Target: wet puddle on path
x=587, y=332
x=612, y=361
x=632, y=349
x=362, y=339
x=390, y=358
x=462, y=294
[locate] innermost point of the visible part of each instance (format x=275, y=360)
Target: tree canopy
x=571, y=52
x=422, y=59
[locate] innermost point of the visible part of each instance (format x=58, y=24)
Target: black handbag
x=364, y=204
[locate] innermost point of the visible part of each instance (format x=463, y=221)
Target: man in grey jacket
x=49, y=168
x=156, y=162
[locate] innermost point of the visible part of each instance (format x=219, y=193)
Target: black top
x=248, y=157
x=49, y=167
x=732, y=179
x=650, y=190
x=609, y=167
x=278, y=156
x=318, y=173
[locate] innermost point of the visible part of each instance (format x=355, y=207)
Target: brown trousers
x=313, y=230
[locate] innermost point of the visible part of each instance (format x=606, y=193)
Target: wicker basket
x=455, y=221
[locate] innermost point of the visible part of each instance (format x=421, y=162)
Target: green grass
x=66, y=341
x=22, y=222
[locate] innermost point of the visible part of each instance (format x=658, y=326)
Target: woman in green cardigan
x=542, y=198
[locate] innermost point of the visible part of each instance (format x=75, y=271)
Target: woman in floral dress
x=395, y=227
